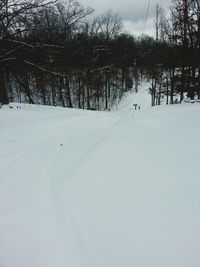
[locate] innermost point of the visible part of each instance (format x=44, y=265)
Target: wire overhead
x=146, y=16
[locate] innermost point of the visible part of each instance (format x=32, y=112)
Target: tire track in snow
x=88, y=141
x=54, y=192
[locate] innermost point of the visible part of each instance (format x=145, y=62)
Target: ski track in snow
x=93, y=189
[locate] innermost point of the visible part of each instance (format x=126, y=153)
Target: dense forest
x=60, y=53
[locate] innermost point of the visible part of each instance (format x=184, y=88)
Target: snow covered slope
x=99, y=189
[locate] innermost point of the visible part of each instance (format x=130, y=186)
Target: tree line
x=176, y=70
x=60, y=53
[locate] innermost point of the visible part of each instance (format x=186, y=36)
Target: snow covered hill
x=99, y=189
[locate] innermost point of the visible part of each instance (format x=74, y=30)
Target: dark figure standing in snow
x=135, y=105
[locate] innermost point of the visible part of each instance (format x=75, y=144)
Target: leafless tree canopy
x=59, y=53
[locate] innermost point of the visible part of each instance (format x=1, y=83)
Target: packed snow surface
x=100, y=189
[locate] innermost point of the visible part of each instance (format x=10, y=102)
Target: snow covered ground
x=99, y=189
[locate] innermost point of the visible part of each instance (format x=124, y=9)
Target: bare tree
x=14, y=14
x=13, y=22
x=71, y=15
x=108, y=25
x=160, y=23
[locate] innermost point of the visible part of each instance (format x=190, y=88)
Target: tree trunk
x=26, y=88
x=172, y=87
x=88, y=96
x=53, y=92
x=182, y=84
x=167, y=92
x=69, y=100
x=79, y=92
x=153, y=96
x=198, y=83
x=60, y=86
x=3, y=91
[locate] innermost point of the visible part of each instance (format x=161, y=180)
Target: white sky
x=132, y=12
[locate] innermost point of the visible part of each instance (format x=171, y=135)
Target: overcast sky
x=132, y=12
